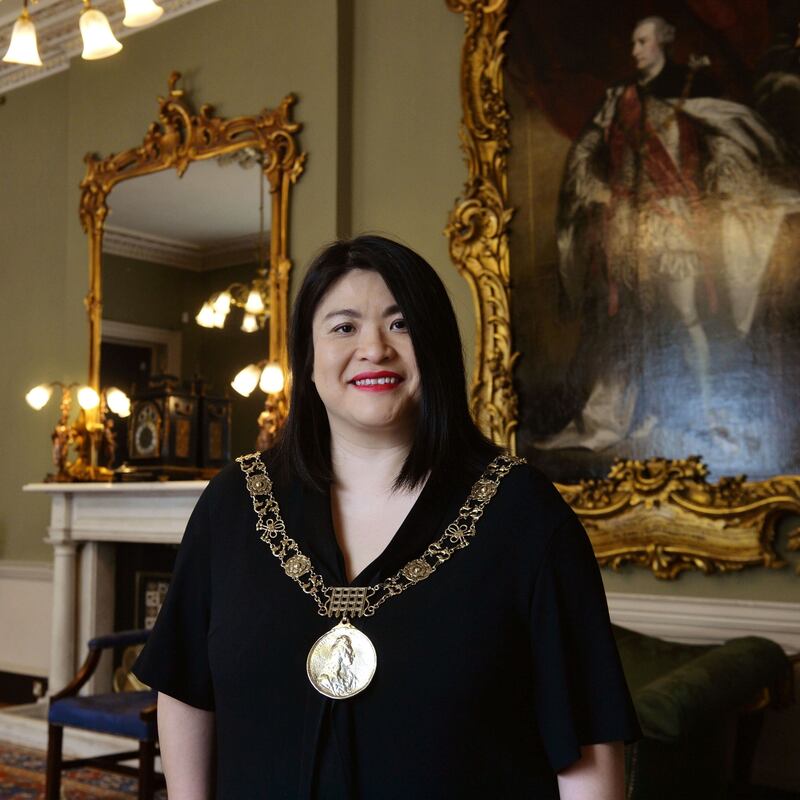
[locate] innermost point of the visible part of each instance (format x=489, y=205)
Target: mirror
x=200, y=206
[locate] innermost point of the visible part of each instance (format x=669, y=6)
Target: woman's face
x=364, y=365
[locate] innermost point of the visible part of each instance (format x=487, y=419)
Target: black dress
x=491, y=673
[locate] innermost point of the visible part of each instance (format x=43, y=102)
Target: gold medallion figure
x=342, y=662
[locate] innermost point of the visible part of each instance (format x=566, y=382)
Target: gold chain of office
x=357, y=601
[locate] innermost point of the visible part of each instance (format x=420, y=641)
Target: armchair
x=129, y=714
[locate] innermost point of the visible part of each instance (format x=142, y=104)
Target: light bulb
x=23, y=48
x=271, y=379
x=88, y=398
x=141, y=12
x=220, y=306
x=118, y=402
x=249, y=323
x=205, y=316
x=255, y=303
x=38, y=396
x=246, y=380
x=222, y=303
x=98, y=39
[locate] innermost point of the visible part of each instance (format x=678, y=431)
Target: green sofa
x=700, y=708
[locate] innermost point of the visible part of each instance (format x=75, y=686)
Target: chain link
x=299, y=568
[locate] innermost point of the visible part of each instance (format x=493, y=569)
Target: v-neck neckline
x=373, y=565
x=423, y=524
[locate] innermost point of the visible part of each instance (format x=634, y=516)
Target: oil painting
x=654, y=171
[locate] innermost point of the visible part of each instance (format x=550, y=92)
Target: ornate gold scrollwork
x=660, y=514
x=174, y=141
x=478, y=226
x=664, y=515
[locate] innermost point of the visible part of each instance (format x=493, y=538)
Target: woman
x=482, y=659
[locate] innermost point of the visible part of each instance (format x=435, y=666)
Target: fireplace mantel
x=86, y=520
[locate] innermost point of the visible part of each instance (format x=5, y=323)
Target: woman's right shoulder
x=231, y=481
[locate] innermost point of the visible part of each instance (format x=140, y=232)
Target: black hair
x=445, y=432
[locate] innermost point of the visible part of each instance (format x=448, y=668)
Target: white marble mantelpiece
x=153, y=512
x=86, y=520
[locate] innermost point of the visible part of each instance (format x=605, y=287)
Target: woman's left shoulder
x=525, y=484
x=527, y=501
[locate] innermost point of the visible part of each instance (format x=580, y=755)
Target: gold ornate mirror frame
x=660, y=514
x=178, y=138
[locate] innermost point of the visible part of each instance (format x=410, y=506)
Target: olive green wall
x=407, y=167
x=33, y=168
x=236, y=54
x=144, y=293
x=378, y=88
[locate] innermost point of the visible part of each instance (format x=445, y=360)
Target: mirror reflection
x=170, y=245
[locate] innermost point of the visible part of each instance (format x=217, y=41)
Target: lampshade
x=88, y=398
x=249, y=323
x=246, y=380
x=23, y=48
x=38, y=396
x=118, y=402
x=254, y=304
x=221, y=305
x=271, y=379
x=205, y=316
x=141, y=12
x=98, y=39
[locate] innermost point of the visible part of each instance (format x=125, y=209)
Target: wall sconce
x=269, y=377
x=266, y=375
x=91, y=434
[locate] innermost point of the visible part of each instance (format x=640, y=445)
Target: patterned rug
x=22, y=778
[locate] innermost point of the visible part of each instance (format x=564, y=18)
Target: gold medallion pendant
x=341, y=662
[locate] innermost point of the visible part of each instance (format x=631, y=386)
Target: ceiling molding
x=59, y=37
x=184, y=255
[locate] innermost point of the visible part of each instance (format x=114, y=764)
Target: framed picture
x=151, y=591
x=652, y=165
x=630, y=228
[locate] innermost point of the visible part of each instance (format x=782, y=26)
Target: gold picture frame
x=657, y=513
x=179, y=137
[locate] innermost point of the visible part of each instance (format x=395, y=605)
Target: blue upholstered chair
x=129, y=714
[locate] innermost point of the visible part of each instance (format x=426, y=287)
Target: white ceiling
x=210, y=205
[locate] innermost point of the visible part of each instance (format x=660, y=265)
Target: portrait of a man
x=657, y=246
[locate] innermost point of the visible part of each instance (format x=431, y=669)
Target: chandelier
x=252, y=297
x=98, y=39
